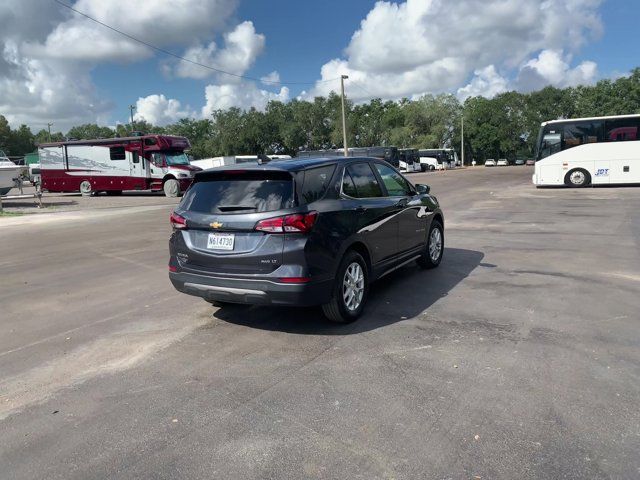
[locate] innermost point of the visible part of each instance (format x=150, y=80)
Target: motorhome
x=147, y=162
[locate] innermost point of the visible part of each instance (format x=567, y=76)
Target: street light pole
x=131, y=109
x=49, y=125
x=344, y=119
x=463, y=140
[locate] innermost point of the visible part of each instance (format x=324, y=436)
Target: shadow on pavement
x=404, y=294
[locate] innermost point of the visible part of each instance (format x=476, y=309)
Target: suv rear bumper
x=250, y=291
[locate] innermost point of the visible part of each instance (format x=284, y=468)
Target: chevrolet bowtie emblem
x=215, y=224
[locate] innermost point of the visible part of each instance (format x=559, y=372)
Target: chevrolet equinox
x=301, y=232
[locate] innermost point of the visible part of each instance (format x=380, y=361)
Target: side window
x=622, y=130
x=136, y=157
x=117, y=153
x=157, y=159
x=364, y=180
x=580, y=133
x=348, y=187
x=316, y=181
x=395, y=184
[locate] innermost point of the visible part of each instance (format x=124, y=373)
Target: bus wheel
x=577, y=178
x=431, y=168
x=423, y=167
x=85, y=188
x=171, y=188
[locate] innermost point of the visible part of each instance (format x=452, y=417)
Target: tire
x=434, y=247
x=171, y=188
x=577, y=178
x=423, y=167
x=431, y=168
x=338, y=310
x=86, y=188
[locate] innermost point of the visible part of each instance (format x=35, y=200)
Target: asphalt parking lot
x=518, y=358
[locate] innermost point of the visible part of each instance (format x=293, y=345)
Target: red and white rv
x=148, y=162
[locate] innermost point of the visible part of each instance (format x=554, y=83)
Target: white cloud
x=403, y=49
x=552, y=67
x=154, y=21
x=487, y=82
x=271, y=78
x=47, y=55
x=243, y=95
x=35, y=92
x=159, y=110
x=241, y=48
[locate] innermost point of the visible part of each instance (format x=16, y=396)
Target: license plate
x=220, y=241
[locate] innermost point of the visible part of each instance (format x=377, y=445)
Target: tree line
x=505, y=126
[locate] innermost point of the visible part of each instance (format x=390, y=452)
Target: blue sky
x=69, y=70
x=299, y=40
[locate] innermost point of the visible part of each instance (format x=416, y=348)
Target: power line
x=364, y=90
x=171, y=54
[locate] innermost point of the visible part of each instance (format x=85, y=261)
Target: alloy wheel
x=353, y=286
x=435, y=244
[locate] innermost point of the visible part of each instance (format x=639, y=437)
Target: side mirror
x=423, y=189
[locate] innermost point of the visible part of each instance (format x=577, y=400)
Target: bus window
x=551, y=143
x=580, y=133
x=622, y=130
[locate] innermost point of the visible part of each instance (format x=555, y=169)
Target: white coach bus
x=588, y=151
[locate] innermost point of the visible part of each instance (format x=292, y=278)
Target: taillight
x=271, y=225
x=300, y=223
x=297, y=223
x=294, y=280
x=177, y=221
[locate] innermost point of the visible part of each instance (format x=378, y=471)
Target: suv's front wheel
x=349, y=290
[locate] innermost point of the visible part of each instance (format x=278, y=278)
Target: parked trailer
x=147, y=162
x=215, y=162
x=388, y=154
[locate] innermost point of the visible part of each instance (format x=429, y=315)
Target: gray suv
x=301, y=232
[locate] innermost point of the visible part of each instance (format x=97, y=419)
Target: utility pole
x=463, y=140
x=131, y=109
x=344, y=119
x=49, y=125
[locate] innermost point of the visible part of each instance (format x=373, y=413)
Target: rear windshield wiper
x=235, y=208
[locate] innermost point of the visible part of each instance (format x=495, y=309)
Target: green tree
x=90, y=131
x=21, y=141
x=5, y=134
x=197, y=131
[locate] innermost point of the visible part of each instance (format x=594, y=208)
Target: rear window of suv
x=240, y=192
